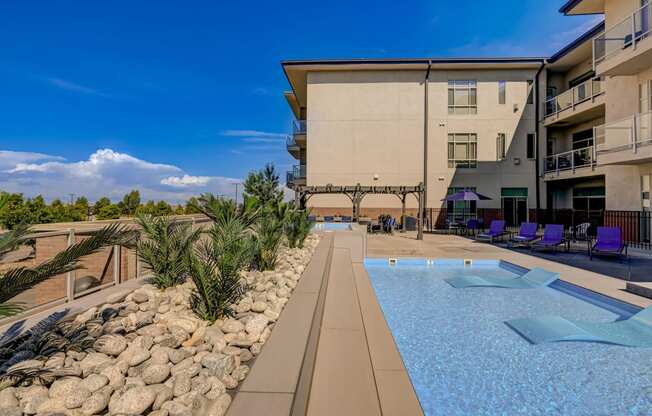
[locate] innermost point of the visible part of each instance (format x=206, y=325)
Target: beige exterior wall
x=367, y=127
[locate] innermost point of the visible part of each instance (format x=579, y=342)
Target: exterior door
x=514, y=205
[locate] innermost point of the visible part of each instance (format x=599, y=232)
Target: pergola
x=357, y=193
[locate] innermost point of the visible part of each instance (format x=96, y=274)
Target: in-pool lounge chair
x=496, y=229
x=536, y=277
x=526, y=234
x=553, y=237
x=609, y=241
x=635, y=331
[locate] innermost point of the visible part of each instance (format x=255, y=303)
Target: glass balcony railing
x=623, y=35
x=299, y=127
x=628, y=133
x=291, y=142
x=570, y=98
x=571, y=160
x=298, y=172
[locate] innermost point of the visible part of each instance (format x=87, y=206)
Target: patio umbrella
x=466, y=196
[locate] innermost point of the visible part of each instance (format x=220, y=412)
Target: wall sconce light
x=376, y=176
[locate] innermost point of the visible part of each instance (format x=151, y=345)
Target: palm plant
x=51, y=335
x=269, y=235
x=215, y=268
x=297, y=228
x=166, y=248
x=16, y=280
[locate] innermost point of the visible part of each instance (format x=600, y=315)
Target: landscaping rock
x=64, y=387
x=156, y=373
x=111, y=344
x=132, y=402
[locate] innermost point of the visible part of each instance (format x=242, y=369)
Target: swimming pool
x=463, y=359
x=331, y=226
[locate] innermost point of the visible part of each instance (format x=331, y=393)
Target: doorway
x=514, y=205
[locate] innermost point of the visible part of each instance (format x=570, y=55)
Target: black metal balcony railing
x=299, y=127
x=570, y=160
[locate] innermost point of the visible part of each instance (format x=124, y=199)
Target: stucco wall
x=367, y=124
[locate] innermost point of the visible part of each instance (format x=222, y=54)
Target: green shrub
x=166, y=248
x=297, y=228
x=109, y=212
x=218, y=261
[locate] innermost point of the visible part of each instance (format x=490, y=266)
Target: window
x=589, y=199
x=645, y=96
x=502, y=85
x=462, y=150
x=531, y=146
x=462, y=97
x=500, y=146
x=530, y=95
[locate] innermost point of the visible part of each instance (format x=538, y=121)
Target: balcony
x=296, y=176
x=293, y=147
x=574, y=163
x=625, y=48
x=581, y=103
x=626, y=141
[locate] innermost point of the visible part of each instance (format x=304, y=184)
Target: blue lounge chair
x=526, y=234
x=346, y=218
x=635, y=331
x=553, y=236
x=496, y=229
x=609, y=241
x=328, y=218
x=534, y=278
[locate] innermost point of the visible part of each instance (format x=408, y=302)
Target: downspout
x=424, y=196
x=536, y=137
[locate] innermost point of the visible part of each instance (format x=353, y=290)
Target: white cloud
x=105, y=173
x=9, y=159
x=72, y=86
x=186, y=181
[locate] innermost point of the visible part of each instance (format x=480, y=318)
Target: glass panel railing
x=622, y=35
x=567, y=99
x=615, y=135
x=299, y=127
x=570, y=160
x=290, y=141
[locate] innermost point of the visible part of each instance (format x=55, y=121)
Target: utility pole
x=236, y=192
x=424, y=195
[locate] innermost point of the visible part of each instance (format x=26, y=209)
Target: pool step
x=640, y=288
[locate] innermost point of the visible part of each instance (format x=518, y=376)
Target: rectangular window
x=500, y=146
x=502, y=86
x=462, y=150
x=530, y=93
x=531, y=146
x=462, y=97
x=645, y=96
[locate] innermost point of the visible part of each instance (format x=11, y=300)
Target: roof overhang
x=575, y=52
x=577, y=7
x=293, y=103
x=297, y=71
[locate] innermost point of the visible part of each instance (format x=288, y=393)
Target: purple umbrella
x=466, y=196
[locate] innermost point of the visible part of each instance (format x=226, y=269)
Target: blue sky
x=180, y=97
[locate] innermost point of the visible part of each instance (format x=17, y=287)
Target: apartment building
x=362, y=122
x=621, y=61
x=568, y=131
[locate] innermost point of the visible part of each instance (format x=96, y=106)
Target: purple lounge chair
x=496, y=229
x=553, y=236
x=526, y=234
x=609, y=241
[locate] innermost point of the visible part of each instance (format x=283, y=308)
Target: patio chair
x=312, y=218
x=496, y=230
x=472, y=225
x=609, y=241
x=581, y=232
x=328, y=218
x=635, y=331
x=346, y=218
x=553, y=237
x=526, y=234
x=533, y=279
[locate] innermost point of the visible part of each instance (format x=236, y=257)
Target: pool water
x=463, y=359
x=331, y=226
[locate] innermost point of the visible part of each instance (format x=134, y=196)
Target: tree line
x=20, y=210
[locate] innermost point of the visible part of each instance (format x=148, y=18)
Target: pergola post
x=421, y=212
x=403, y=212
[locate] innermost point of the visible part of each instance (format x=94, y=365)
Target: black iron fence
x=636, y=226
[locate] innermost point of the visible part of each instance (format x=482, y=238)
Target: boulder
x=132, y=402
x=156, y=373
